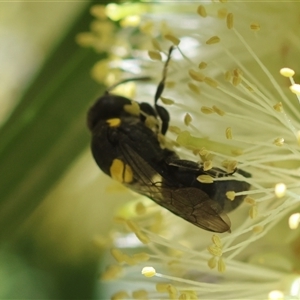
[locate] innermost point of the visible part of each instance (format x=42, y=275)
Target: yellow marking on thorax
x=114, y=122
x=120, y=171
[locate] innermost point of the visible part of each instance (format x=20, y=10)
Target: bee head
x=106, y=107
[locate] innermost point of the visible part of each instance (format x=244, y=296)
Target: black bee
x=128, y=150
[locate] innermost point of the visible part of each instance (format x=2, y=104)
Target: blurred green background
x=51, y=192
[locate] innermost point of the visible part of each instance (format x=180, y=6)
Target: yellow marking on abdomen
x=120, y=171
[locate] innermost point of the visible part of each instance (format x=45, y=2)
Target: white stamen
x=294, y=220
x=280, y=190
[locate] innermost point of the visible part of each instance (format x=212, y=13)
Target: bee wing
x=196, y=207
x=148, y=181
x=189, y=203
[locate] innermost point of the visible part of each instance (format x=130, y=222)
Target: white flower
x=229, y=97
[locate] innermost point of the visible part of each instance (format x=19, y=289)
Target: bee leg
x=161, y=111
x=185, y=164
x=193, y=166
x=216, y=173
x=243, y=173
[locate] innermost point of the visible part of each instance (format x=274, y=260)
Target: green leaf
x=47, y=130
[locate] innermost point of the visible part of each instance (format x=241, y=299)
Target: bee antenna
x=142, y=78
x=162, y=112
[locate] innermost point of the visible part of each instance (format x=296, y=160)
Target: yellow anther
x=222, y=13
x=229, y=21
x=213, y=40
x=211, y=82
x=187, y=119
x=98, y=11
x=278, y=107
x=131, y=21
x=132, y=226
x=100, y=242
x=141, y=257
x=255, y=26
x=216, y=240
x=250, y=201
x=207, y=165
x=183, y=296
x=207, y=110
x=203, y=152
x=205, y=155
x=298, y=137
x=154, y=55
x=236, y=80
x=167, y=101
x=221, y=265
x=249, y=88
x=100, y=71
x=194, y=88
x=120, y=296
x=129, y=260
x=212, y=262
x=171, y=289
x=147, y=27
x=287, y=72
x=156, y=44
x=142, y=237
x=162, y=287
x=202, y=65
x=164, y=28
x=232, y=165
x=133, y=108
x=170, y=84
x=151, y=122
x=228, y=133
x=87, y=39
x=214, y=250
x=148, y=271
x=230, y=195
x=140, y=295
x=112, y=272
x=188, y=295
x=174, y=129
x=278, y=142
x=253, y=212
x=118, y=255
x=205, y=179
x=237, y=152
x=237, y=72
x=257, y=229
x=140, y=208
x=219, y=111
x=172, y=292
x=172, y=39
x=119, y=220
x=201, y=11
x=227, y=75
x=196, y=75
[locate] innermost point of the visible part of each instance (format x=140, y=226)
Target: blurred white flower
x=229, y=97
